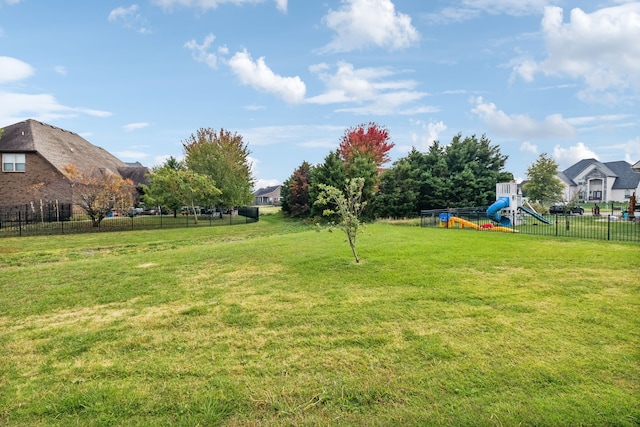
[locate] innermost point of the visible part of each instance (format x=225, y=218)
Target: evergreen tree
x=330, y=173
x=475, y=167
x=298, y=202
x=399, y=191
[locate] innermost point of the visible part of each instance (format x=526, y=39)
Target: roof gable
x=574, y=171
x=58, y=146
x=266, y=191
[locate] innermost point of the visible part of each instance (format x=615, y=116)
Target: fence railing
x=29, y=222
x=606, y=226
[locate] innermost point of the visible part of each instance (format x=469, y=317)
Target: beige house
x=268, y=195
x=34, y=156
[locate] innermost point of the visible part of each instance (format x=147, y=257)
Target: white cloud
x=162, y=159
x=131, y=18
x=372, y=88
x=632, y=151
x=599, y=48
x=430, y=132
x=569, y=156
x=255, y=171
x=281, y=5
x=12, y=69
x=508, y=7
x=132, y=155
x=264, y=183
x=212, y=4
x=259, y=76
x=363, y=23
x=294, y=135
x=471, y=9
x=135, y=126
x=200, y=53
x=527, y=146
x=15, y=107
x=521, y=126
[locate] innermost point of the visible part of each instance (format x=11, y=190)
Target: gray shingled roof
x=266, y=191
x=575, y=170
x=625, y=177
x=61, y=148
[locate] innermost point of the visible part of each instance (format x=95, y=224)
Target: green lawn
x=273, y=323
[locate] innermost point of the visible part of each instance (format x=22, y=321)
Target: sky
x=291, y=76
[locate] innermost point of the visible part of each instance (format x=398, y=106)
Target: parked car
x=560, y=208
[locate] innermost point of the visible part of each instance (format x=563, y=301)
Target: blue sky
x=290, y=76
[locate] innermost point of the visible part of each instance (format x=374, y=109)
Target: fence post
x=19, y=223
x=609, y=223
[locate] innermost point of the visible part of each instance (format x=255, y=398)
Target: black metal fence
x=26, y=221
x=605, y=226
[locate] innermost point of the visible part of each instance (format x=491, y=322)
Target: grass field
x=273, y=323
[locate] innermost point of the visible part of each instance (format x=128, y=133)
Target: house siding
x=600, y=182
x=40, y=181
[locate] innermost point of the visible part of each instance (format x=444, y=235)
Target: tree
x=197, y=189
x=332, y=173
x=369, y=140
x=298, y=203
x=99, y=192
x=173, y=186
x=284, y=196
x=348, y=207
x=475, y=167
x=162, y=190
x=464, y=173
x=434, y=177
x=224, y=157
x=362, y=166
x=543, y=184
x=399, y=191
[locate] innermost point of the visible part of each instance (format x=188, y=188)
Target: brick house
x=34, y=155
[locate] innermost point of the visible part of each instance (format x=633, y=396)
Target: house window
x=13, y=162
x=627, y=194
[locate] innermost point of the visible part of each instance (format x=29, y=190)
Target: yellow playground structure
x=455, y=222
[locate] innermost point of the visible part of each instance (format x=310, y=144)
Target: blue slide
x=492, y=212
x=536, y=215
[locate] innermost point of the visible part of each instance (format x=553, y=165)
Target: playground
x=512, y=213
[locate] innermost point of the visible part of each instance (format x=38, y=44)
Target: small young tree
x=348, y=207
x=173, y=188
x=98, y=193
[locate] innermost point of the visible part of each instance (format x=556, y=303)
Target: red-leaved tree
x=368, y=140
